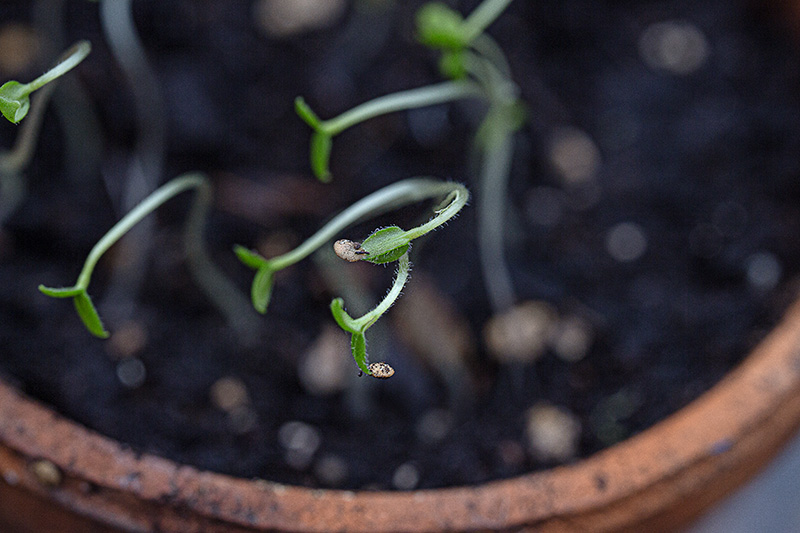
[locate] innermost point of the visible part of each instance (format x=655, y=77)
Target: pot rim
x=665, y=475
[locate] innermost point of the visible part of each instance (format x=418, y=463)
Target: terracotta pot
x=58, y=476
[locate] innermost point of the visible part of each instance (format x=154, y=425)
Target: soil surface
x=667, y=234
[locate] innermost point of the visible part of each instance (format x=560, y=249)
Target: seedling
x=15, y=96
x=15, y=105
x=476, y=68
x=383, y=246
x=216, y=287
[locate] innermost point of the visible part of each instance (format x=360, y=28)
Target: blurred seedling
x=15, y=104
x=218, y=288
x=15, y=96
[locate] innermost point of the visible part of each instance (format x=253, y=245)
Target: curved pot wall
x=55, y=471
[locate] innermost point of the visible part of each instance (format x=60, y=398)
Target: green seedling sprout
x=325, y=130
x=385, y=245
x=216, y=286
x=15, y=105
x=357, y=327
x=476, y=68
x=15, y=96
x=13, y=162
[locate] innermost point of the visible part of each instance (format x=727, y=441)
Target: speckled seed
x=381, y=370
x=349, y=250
x=46, y=473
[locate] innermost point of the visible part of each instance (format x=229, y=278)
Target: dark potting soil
x=701, y=169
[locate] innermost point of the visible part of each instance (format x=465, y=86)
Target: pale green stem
x=496, y=149
x=424, y=96
x=74, y=55
x=124, y=41
x=147, y=206
x=218, y=288
x=145, y=167
x=496, y=86
x=451, y=210
x=345, y=282
x=398, y=194
x=13, y=162
x=403, y=268
x=491, y=51
x=495, y=166
x=482, y=17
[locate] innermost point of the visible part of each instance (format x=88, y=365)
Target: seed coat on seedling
x=349, y=250
x=381, y=370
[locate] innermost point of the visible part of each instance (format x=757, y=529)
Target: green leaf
x=388, y=257
x=385, y=245
x=320, y=155
x=305, y=112
x=89, y=316
x=83, y=305
x=440, y=27
x=261, y=290
x=358, y=343
x=344, y=320
x=61, y=292
x=14, y=101
x=249, y=257
x=452, y=65
x=321, y=141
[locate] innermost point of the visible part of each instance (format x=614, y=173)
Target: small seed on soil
x=572, y=338
x=574, y=155
x=381, y=370
x=46, y=472
x=521, y=333
x=128, y=340
x=323, y=370
x=552, y=432
x=229, y=393
x=349, y=250
x=10, y=477
x=511, y=453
